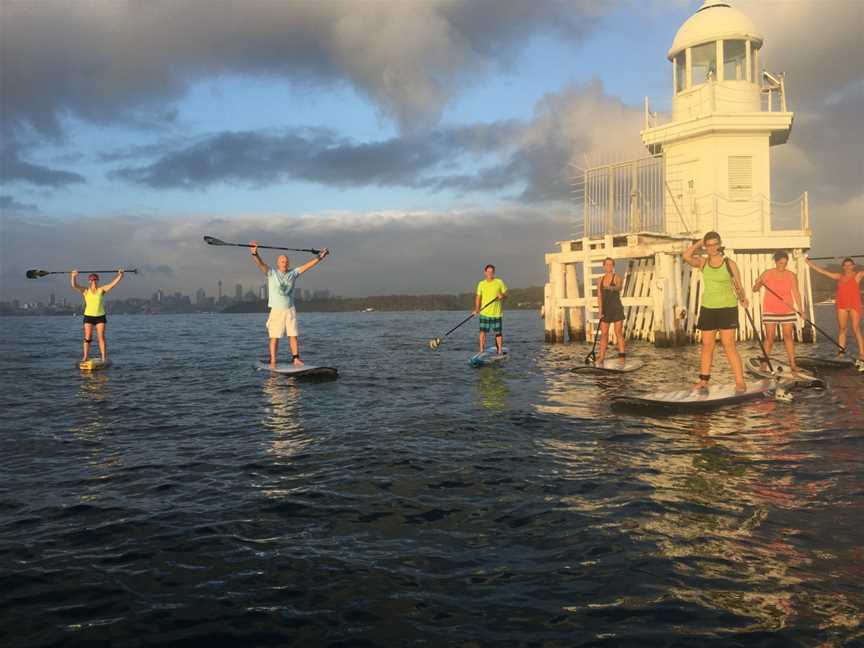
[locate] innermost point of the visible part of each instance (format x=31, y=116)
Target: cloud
x=818, y=46
x=10, y=204
x=316, y=155
x=106, y=61
x=534, y=158
x=15, y=169
x=373, y=253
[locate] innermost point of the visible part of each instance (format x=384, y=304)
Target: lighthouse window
x=740, y=177
x=680, y=72
x=704, y=63
x=735, y=60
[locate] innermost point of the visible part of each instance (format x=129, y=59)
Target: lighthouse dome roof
x=714, y=20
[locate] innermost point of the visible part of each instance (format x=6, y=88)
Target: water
x=182, y=498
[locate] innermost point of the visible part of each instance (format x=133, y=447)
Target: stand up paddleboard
x=619, y=365
x=783, y=373
x=815, y=362
x=93, y=365
x=302, y=371
x=490, y=357
x=695, y=399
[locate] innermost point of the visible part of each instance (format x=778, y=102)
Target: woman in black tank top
x=611, y=309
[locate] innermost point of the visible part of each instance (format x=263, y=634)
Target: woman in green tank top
x=721, y=292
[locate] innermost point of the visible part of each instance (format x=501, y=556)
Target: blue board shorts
x=493, y=324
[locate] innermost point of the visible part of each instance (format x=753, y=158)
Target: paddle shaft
x=837, y=344
x=211, y=241
x=758, y=333
x=470, y=317
x=45, y=273
x=594, y=346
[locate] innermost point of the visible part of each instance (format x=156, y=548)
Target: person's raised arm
x=117, y=280
x=736, y=284
x=253, y=249
x=73, y=280
x=822, y=271
x=689, y=259
x=311, y=264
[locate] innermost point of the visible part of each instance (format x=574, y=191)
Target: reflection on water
x=493, y=392
x=283, y=416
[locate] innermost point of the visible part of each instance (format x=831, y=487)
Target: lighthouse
x=708, y=168
x=726, y=114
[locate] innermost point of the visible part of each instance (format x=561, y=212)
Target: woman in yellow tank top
x=94, y=310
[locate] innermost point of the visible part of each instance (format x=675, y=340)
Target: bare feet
x=702, y=385
x=740, y=387
x=298, y=362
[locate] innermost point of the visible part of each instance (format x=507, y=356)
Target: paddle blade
x=210, y=240
x=35, y=274
x=434, y=343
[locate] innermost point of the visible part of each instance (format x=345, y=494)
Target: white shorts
x=282, y=322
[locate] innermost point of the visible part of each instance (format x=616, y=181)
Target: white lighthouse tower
x=709, y=169
x=724, y=121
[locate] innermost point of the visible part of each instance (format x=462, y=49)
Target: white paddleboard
x=696, y=399
x=783, y=373
x=489, y=357
x=620, y=365
x=93, y=365
x=290, y=369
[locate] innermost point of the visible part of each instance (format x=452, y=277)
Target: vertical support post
x=549, y=304
x=678, y=308
x=575, y=321
x=560, y=312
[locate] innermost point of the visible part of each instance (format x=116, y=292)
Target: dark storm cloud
x=319, y=156
x=108, y=61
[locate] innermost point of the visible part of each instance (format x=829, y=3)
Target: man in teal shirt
x=491, y=289
x=280, y=295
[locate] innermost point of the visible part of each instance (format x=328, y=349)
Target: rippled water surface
x=182, y=498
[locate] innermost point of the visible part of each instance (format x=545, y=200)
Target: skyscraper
x=219, y=292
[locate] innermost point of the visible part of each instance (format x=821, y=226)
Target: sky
x=418, y=140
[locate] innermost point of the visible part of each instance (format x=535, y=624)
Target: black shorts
x=95, y=319
x=614, y=314
x=716, y=319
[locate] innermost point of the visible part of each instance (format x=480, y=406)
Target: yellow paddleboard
x=93, y=365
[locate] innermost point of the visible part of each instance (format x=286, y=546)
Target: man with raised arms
x=280, y=291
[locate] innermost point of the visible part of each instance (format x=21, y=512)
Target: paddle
x=35, y=274
x=434, y=343
x=779, y=393
x=209, y=240
x=590, y=358
x=851, y=256
x=785, y=303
